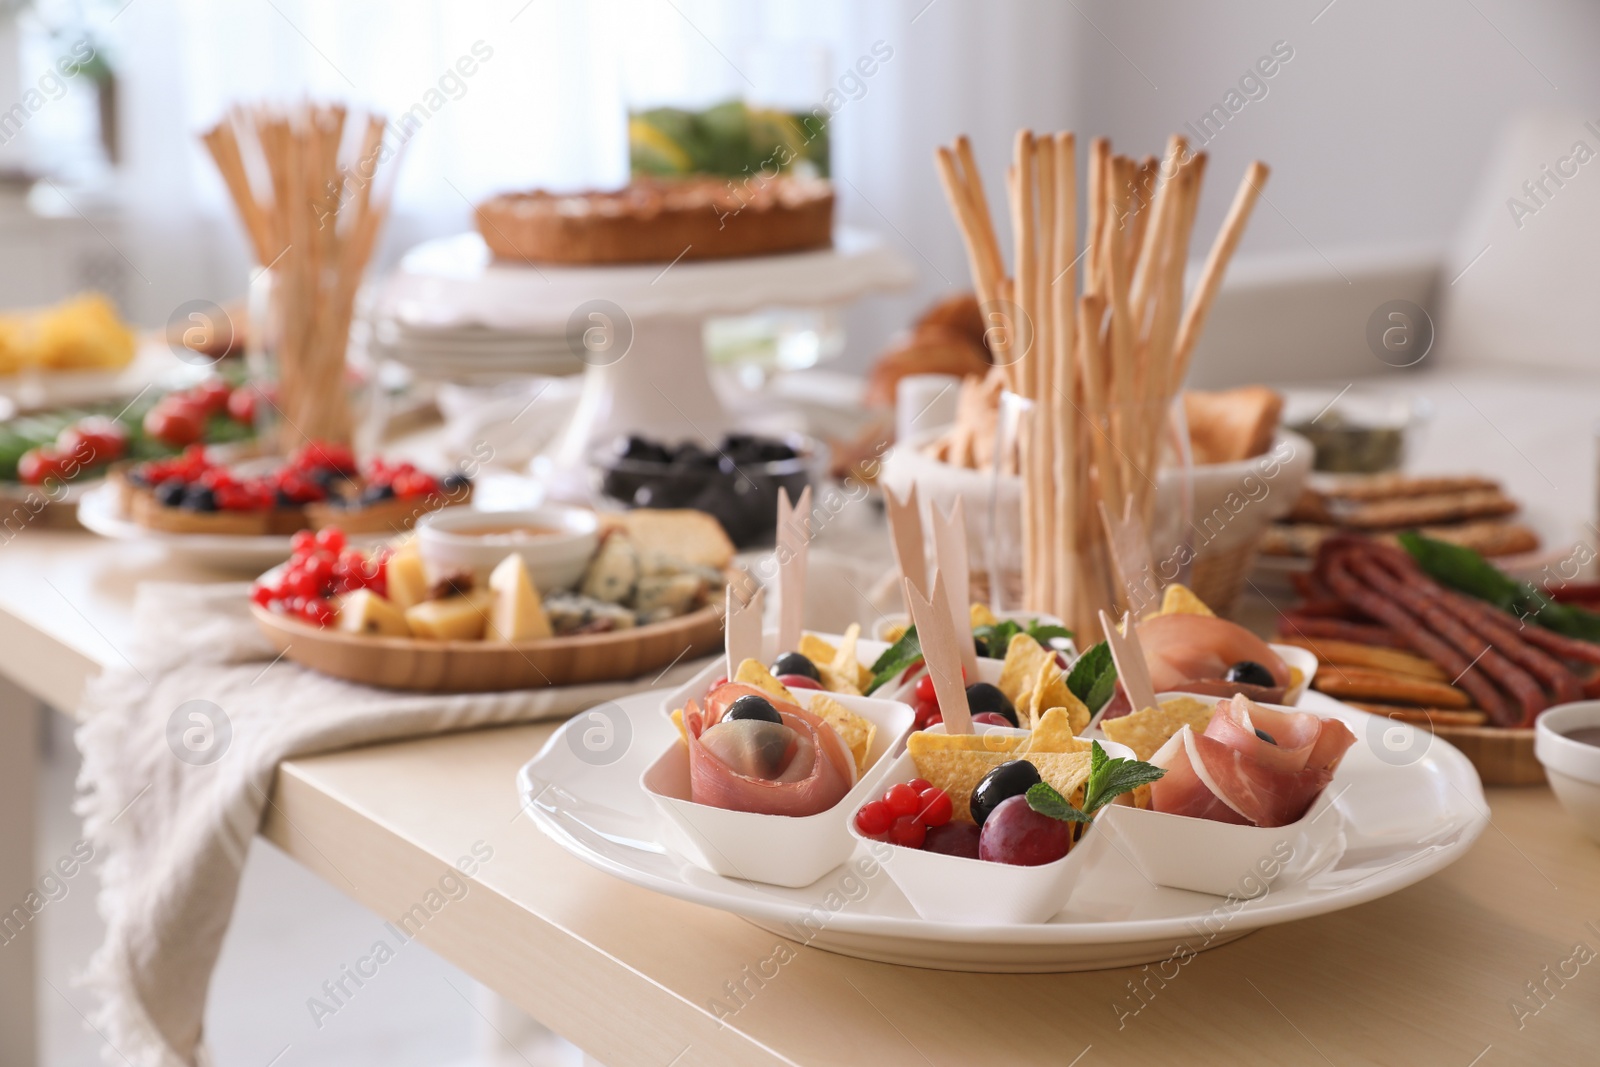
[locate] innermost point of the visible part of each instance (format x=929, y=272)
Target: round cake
x=660, y=221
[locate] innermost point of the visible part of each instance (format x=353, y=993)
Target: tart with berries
x=191, y=493
x=388, y=498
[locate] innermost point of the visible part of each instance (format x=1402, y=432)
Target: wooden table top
x=1426, y=976
x=1440, y=973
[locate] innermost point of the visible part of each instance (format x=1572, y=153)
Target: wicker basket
x=1233, y=503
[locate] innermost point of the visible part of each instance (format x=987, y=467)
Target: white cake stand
x=638, y=328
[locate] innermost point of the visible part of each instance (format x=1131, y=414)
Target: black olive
x=171, y=492
x=981, y=697
x=454, y=482
x=1249, y=672
x=642, y=450
x=1004, y=782
x=199, y=498
x=376, y=494
x=795, y=663
x=1265, y=736
x=751, y=706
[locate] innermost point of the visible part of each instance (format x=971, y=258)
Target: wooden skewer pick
x=793, y=541
x=1129, y=543
x=905, y=528
x=950, y=554
x=940, y=653
x=1128, y=655
x=742, y=624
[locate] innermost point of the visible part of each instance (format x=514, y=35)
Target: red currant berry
x=331, y=538
x=261, y=595
x=318, y=612
x=936, y=807
x=908, y=832
x=302, y=542
x=902, y=799
x=874, y=818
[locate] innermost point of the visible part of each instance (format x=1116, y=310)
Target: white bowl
x=456, y=539
x=695, y=688
x=955, y=889
x=1205, y=856
x=1303, y=660
x=1573, y=767
x=784, y=850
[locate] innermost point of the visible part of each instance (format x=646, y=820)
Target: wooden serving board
x=1502, y=757
x=483, y=666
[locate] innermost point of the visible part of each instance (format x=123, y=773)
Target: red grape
x=991, y=718
x=953, y=839
x=1014, y=833
x=798, y=681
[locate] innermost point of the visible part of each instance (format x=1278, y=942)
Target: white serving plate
x=1403, y=821
x=775, y=849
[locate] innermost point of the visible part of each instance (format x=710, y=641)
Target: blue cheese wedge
x=571, y=613
x=656, y=599
x=613, y=572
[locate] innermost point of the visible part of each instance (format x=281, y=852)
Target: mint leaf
x=1093, y=677
x=1045, y=632
x=992, y=639
x=1043, y=798
x=895, y=659
x=1110, y=778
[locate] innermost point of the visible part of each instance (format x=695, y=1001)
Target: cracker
x=1146, y=730
x=855, y=731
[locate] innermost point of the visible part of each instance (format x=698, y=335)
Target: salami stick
x=1561, y=645
x=1336, y=571
x=1361, y=633
x=1501, y=628
x=1518, y=683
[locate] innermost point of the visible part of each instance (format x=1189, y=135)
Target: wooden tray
x=1502, y=757
x=482, y=666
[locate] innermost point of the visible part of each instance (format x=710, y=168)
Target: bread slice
x=1233, y=425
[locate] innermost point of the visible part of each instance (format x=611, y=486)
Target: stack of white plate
x=472, y=352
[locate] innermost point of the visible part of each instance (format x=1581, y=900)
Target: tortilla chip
x=1147, y=729
x=1180, y=600
x=751, y=672
x=982, y=616
x=1141, y=797
x=835, y=682
x=846, y=662
x=1297, y=678
x=958, y=772
x=923, y=742
x=855, y=731
x=1056, y=732
x=816, y=649
x=1019, y=675
x=1050, y=691
x=677, y=720
x=896, y=632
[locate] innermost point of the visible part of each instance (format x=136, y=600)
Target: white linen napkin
x=179, y=752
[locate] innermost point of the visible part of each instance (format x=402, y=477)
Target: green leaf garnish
x=1468, y=572
x=1043, y=798
x=1046, y=632
x=1093, y=677
x=1110, y=778
x=994, y=638
x=895, y=659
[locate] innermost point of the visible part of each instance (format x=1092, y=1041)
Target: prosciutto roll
x=1187, y=651
x=1253, y=765
x=802, y=772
